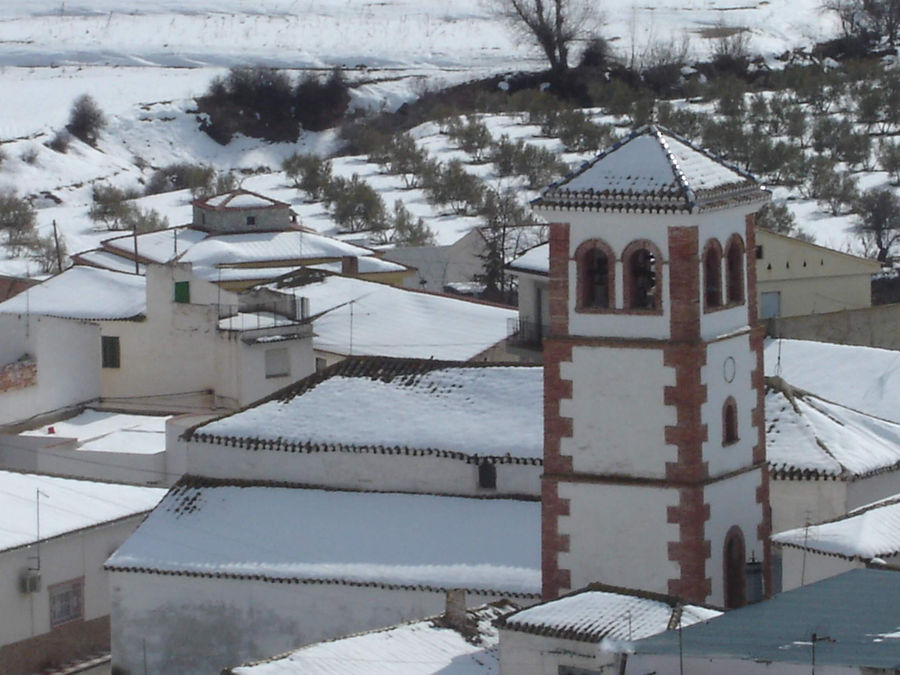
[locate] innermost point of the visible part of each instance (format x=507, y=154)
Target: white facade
x=530, y=654
x=63, y=360
x=199, y=625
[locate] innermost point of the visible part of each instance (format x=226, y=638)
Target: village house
x=866, y=536
x=239, y=239
x=55, y=534
x=166, y=340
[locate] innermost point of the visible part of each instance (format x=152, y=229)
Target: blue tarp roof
x=858, y=612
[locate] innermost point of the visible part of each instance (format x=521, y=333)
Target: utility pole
x=58, y=252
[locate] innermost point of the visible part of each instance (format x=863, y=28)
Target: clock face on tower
x=729, y=368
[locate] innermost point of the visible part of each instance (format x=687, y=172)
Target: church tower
x=654, y=445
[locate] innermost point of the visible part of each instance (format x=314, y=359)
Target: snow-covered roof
x=601, y=612
x=102, y=431
x=66, y=505
x=415, y=648
x=83, y=292
x=807, y=436
x=473, y=409
x=653, y=170
x=319, y=536
x=263, y=247
x=355, y=316
x=871, y=531
x=855, y=612
x=239, y=199
x=160, y=246
x=535, y=260
x=367, y=265
x=108, y=261
x=863, y=378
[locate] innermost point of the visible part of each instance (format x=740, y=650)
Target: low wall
x=866, y=327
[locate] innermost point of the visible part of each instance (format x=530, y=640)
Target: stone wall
x=868, y=327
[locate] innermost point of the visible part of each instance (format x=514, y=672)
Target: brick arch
x=642, y=265
x=595, y=287
x=735, y=263
x=712, y=275
x=734, y=572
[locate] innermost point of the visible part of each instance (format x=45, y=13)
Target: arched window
x=733, y=559
x=642, y=277
x=729, y=422
x=712, y=275
x=595, y=275
x=734, y=270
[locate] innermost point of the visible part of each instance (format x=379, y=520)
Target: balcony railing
x=525, y=333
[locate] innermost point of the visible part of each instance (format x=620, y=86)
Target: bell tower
x=654, y=446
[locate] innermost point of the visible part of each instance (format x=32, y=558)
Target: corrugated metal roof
x=857, y=611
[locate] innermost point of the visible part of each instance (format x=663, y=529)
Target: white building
x=55, y=534
x=167, y=339
x=583, y=632
x=224, y=572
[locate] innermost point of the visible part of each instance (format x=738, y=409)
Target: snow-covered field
x=145, y=60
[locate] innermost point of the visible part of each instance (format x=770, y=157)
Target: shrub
x=597, y=53
x=355, y=205
x=48, y=253
x=878, y=224
x=145, y=220
x=86, y=120
x=2, y=156
x=60, y=142
x=406, y=159
x=579, y=133
x=472, y=136
x=18, y=221
x=198, y=178
x=409, y=231
x=457, y=188
x=889, y=157
x=29, y=155
x=682, y=121
x=831, y=189
x=320, y=105
x=111, y=206
x=309, y=173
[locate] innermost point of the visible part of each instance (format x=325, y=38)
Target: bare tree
x=552, y=24
x=878, y=224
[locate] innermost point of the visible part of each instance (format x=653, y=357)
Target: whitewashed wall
x=600, y=442
x=670, y=665
x=602, y=518
x=798, y=502
x=193, y=625
x=529, y=654
x=68, y=364
x=350, y=470
x=74, y=555
x=801, y=568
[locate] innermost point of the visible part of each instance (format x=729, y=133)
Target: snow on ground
x=861, y=378
x=478, y=410
x=102, y=431
x=416, y=648
x=65, y=505
x=368, y=537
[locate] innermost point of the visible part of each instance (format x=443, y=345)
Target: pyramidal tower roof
x=653, y=170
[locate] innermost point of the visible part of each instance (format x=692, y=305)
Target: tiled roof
x=601, y=612
x=415, y=648
x=239, y=199
x=653, y=170
x=311, y=536
x=808, y=437
x=871, y=531
x=396, y=406
x=857, y=611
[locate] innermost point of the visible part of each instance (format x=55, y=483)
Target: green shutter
x=183, y=291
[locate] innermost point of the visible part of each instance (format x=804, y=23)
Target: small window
x=251, y=220
x=278, y=364
x=321, y=364
x=66, y=602
x=183, y=291
x=487, y=475
x=729, y=422
x=110, y=354
x=759, y=252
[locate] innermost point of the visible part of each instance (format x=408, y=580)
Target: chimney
x=350, y=265
x=455, y=613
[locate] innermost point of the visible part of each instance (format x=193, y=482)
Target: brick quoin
x=764, y=531
x=692, y=550
x=559, y=279
x=684, y=283
x=555, y=580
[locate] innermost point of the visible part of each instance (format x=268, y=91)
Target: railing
x=525, y=333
